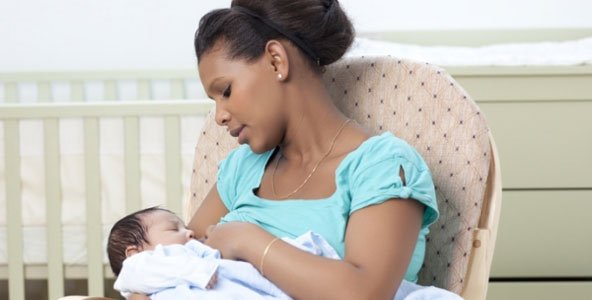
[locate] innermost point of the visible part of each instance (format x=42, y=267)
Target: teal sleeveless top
x=366, y=176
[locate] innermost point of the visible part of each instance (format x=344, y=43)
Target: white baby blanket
x=183, y=271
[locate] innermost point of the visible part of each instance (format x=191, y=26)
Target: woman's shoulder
x=385, y=146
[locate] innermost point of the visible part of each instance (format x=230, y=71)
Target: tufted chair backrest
x=423, y=105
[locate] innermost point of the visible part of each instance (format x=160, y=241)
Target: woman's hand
x=138, y=297
x=230, y=238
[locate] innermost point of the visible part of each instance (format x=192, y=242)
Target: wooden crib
x=177, y=122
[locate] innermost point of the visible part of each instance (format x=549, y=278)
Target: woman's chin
x=258, y=148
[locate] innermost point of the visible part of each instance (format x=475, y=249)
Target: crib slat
x=53, y=209
x=10, y=92
x=144, y=89
x=43, y=91
x=77, y=93
x=16, y=282
x=133, y=200
x=173, y=163
x=94, y=234
x=110, y=90
x=177, y=89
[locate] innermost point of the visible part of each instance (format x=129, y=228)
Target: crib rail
x=50, y=113
x=177, y=84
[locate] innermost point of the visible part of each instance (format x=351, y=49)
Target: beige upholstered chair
x=422, y=104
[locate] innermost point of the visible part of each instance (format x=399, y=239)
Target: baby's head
x=143, y=230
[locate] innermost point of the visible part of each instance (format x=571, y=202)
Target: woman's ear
x=278, y=59
x=131, y=250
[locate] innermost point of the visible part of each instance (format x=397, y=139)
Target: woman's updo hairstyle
x=321, y=25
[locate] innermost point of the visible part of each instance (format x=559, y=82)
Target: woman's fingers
x=213, y=281
x=138, y=297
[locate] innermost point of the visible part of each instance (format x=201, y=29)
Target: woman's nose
x=222, y=116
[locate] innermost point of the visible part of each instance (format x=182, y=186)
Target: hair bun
x=321, y=25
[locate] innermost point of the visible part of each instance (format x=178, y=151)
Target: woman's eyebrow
x=211, y=84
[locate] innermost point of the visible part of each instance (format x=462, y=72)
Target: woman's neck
x=313, y=121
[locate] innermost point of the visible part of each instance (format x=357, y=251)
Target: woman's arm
x=208, y=213
x=379, y=242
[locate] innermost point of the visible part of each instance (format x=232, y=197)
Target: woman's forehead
x=216, y=62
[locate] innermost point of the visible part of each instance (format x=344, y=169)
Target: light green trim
x=77, y=91
x=178, y=89
x=110, y=90
x=93, y=207
x=43, y=91
x=10, y=92
x=98, y=75
x=574, y=290
x=479, y=37
x=494, y=89
x=133, y=199
x=173, y=164
x=544, y=234
x=105, y=109
x=53, y=210
x=144, y=89
x=16, y=282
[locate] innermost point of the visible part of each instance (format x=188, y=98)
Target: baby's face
x=165, y=228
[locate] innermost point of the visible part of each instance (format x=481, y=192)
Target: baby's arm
x=165, y=267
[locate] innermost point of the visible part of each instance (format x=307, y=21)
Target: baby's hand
x=213, y=281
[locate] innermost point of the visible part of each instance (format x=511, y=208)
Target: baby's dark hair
x=321, y=25
x=128, y=231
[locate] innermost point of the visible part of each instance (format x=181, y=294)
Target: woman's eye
x=226, y=92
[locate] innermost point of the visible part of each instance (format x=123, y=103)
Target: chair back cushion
x=423, y=105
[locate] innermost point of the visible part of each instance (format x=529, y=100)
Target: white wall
x=149, y=34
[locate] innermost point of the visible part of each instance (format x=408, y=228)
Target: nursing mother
x=303, y=165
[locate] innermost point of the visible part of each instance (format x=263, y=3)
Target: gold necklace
x=313, y=169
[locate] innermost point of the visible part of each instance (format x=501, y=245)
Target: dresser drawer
x=539, y=290
x=544, y=234
x=543, y=144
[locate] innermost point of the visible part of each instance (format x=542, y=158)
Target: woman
x=303, y=165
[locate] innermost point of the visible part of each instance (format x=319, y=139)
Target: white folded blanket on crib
x=183, y=271
x=574, y=52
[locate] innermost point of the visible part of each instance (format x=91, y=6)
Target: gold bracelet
x=265, y=254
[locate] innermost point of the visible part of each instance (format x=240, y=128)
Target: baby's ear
x=131, y=250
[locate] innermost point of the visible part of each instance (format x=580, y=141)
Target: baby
x=152, y=252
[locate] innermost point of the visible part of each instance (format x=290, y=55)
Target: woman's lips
x=241, y=136
x=235, y=132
